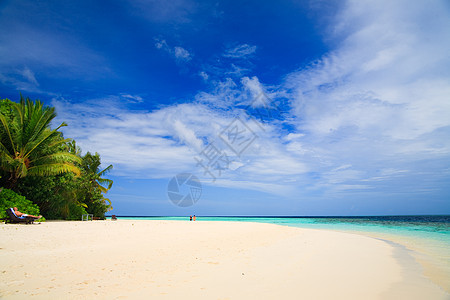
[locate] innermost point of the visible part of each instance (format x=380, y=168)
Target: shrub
x=9, y=199
x=75, y=212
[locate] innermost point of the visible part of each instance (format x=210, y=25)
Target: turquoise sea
x=427, y=237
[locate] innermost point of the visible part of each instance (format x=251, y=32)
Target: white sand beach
x=202, y=260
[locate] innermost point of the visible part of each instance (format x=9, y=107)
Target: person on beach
x=22, y=215
x=194, y=217
x=190, y=218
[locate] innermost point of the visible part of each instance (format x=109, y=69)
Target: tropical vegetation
x=37, y=162
x=9, y=199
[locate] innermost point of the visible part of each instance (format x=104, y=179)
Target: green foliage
x=6, y=109
x=67, y=196
x=75, y=211
x=93, y=185
x=28, y=147
x=53, y=194
x=91, y=169
x=9, y=198
x=40, y=164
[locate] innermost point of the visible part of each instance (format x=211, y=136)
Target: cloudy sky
x=279, y=108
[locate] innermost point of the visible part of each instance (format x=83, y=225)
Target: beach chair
x=12, y=218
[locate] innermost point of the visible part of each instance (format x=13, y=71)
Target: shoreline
x=431, y=263
x=413, y=272
x=435, y=264
x=208, y=260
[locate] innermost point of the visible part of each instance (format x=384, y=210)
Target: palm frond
x=58, y=157
x=35, y=144
x=7, y=162
x=53, y=169
x=38, y=123
x=4, y=150
x=60, y=142
x=109, y=204
x=106, y=170
x=105, y=182
x=28, y=146
x=8, y=132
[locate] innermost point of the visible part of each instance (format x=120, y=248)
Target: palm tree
x=29, y=147
x=91, y=166
x=93, y=174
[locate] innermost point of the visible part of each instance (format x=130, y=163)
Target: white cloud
x=379, y=100
x=234, y=63
x=203, y=75
x=22, y=79
x=132, y=98
x=140, y=142
x=253, y=85
x=180, y=54
x=369, y=111
x=164, y=142
x=268, y=187
x=240, y=51
x=162, y=44
x=187, y=136
x=257, y=94
x=225, y=94
x=387, y=75
x=236, y=71
x=29, y=75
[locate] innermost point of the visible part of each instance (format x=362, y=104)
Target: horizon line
x=282, y=216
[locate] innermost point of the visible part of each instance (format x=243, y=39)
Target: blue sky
x=279, y=108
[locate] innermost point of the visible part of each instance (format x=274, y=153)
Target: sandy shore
x=202, y=260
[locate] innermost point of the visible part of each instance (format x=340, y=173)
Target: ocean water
x=427, y=237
